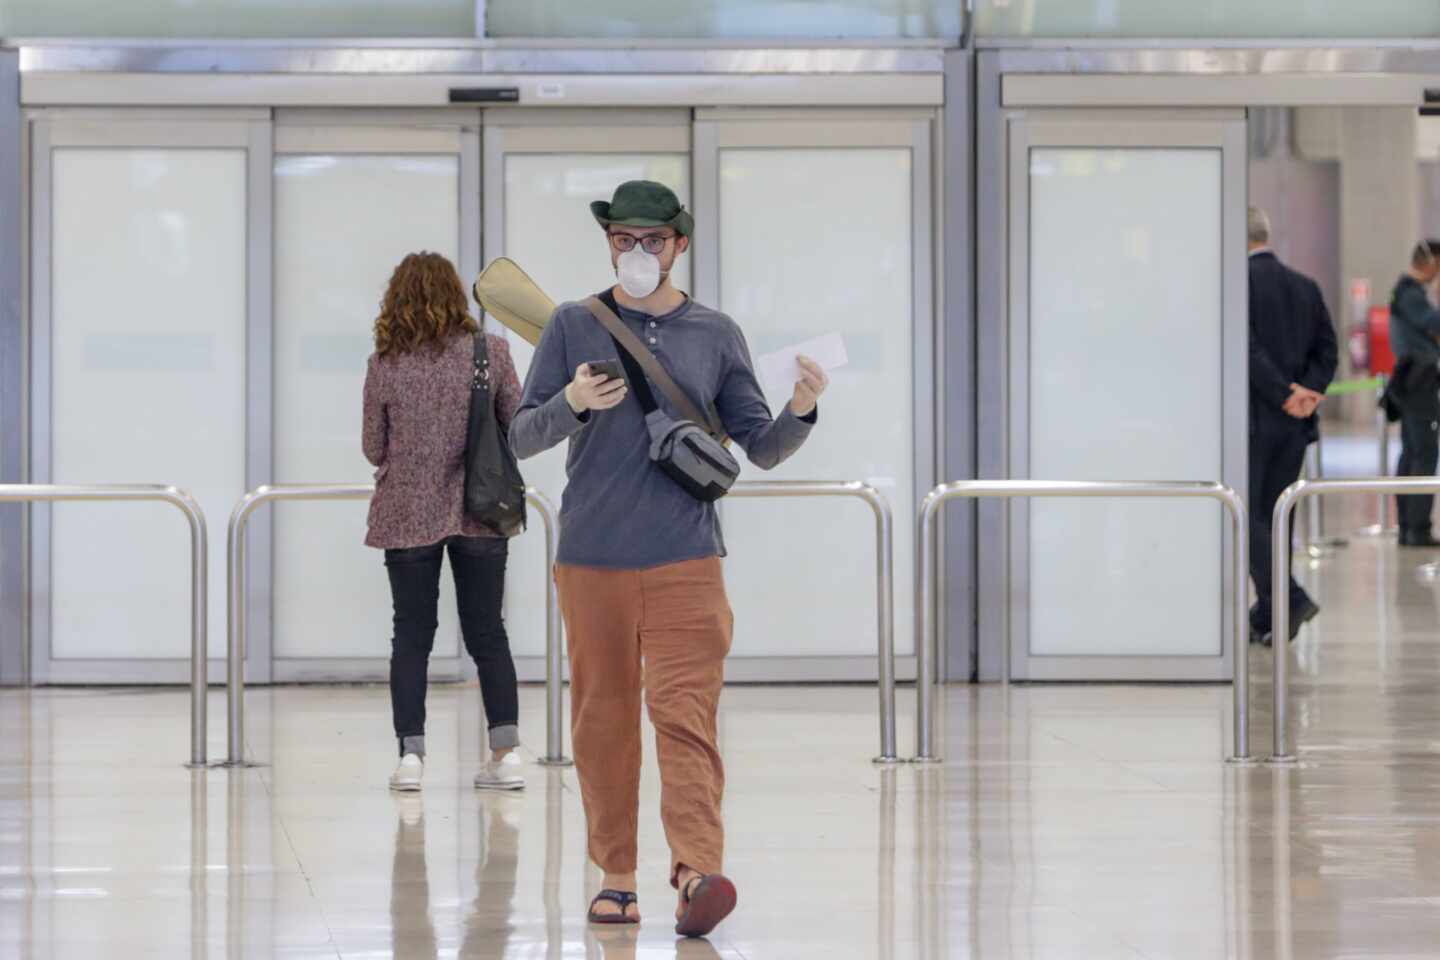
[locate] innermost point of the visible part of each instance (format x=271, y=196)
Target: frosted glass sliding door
x=1127, y=322
x=139, y=272
x=821, y=225
x=542, y=170
x=350, y=203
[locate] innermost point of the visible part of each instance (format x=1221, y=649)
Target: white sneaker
x=501, y=774
x=407, y=776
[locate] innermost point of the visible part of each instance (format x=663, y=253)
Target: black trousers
x=1419, y=453
x=478, y=565
x=1277, y=454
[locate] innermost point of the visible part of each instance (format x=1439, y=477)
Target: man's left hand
x=808, y=388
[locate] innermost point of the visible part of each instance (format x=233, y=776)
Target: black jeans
x=478, y=564
x=1419, y=452
x=1276, y=455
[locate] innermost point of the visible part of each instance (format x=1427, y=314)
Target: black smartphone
x=606, y=368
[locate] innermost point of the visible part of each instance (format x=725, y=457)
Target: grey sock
x=414, y=745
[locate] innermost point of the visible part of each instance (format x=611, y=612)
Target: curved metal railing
x=884, y=578
x=554, y=654
x=186, y=504
x=1281, y=563
x=1011, y=489
x=235, y=593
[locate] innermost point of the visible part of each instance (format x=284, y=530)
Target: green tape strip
x=1342, y=387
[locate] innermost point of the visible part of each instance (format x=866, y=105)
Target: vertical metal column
x=14, y=653
x=554, y=652
x=1384, y=516
x=1383, y=506
x=1317, y=544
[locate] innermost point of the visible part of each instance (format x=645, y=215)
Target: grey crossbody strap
x=652, y=368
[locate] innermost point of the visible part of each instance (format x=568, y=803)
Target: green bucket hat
x=644, y=203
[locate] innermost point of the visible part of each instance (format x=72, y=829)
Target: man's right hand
x=1302, y=403
x=588, y=392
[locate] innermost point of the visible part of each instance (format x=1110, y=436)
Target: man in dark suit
x=1292, y=361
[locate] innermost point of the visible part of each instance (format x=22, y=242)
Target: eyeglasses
x=654, y=243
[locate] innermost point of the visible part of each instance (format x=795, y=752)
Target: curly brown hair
x=424, y=303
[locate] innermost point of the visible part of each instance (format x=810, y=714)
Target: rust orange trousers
x=662, y=632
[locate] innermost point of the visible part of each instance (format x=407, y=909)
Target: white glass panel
x=1125, y=333
x=798, y=260
x=334, y=253
x=148, y=321
x=237, y=18
x=730, y=19
x=1215, y=18
x=549, y=231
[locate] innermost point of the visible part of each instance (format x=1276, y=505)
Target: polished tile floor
x=1065, y=822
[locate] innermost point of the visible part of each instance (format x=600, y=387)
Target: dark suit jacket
x=1291, y=341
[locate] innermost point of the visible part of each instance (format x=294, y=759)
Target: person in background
x=1292, y=361
x=416, y=411
x=1414, y=329
x=641, y=584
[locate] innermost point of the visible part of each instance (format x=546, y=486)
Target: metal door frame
x=914, y=129
x=14, y=142
x=237, y=129
x=1206, y=129
x=372, y=131
x=513, y=131
x=1112, y=73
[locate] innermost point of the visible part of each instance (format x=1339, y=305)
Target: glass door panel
x=140, y=303
x=821, y=225
x=348, y=207
x=148, y=367
x=1127, y=321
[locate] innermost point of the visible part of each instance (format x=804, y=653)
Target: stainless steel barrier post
x=1382, y=523
x=1317, y=545
x=927, y=641
x=1280, y=572
x=235, y=593
x=884, y=579
x=55, y=493
x=554, y=655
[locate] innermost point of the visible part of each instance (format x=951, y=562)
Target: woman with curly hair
x=417, y=401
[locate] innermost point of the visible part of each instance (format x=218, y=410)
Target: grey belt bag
x=691, y=452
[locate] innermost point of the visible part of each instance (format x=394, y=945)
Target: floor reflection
x=412, y=930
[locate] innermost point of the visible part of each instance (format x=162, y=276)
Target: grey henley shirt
x=619, y=510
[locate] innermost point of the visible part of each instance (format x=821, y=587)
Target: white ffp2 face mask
x=639, y=272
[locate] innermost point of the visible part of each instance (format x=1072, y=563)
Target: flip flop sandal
x=708, y=900
x=624, y=898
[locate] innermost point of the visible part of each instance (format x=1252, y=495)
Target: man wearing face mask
x=639, y=574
